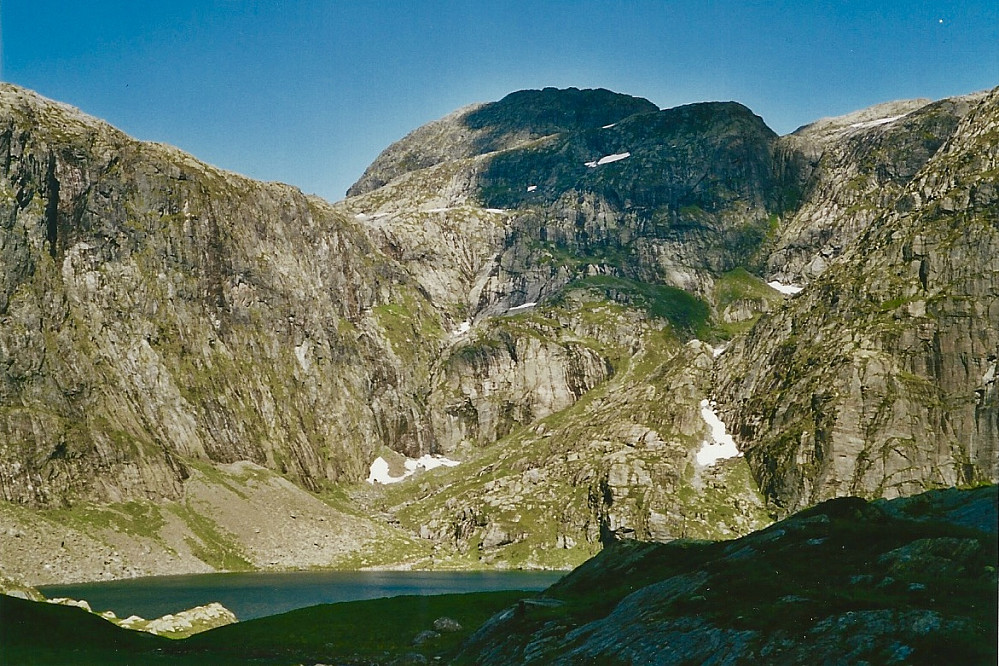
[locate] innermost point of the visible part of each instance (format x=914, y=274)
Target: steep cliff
x=879, y=379
x=156, y=309
x=562, y=290
x=574, y=267
x=841, y=173
x=619, y=461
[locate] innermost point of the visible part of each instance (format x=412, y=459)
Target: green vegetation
x=33, y=632
x=382, y=628
x=739, y=284
x=211, y=545
x=409, y=323
x=687, y=314
x=379, y=629
x=141, y=519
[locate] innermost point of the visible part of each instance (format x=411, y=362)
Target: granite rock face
x=845, y=171
x=156, y=310
x=548, y=288
x=879, y=378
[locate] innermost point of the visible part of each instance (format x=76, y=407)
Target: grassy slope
x=33, y=632
x=41, y=633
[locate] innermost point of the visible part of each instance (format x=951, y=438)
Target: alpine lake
x=260, y=594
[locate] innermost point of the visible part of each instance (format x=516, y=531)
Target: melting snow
x=380, y=472
x=380, y=468
x=784, y=288
x=531, y=188
x=302, y=354
x=463, y=327
x=523, y=306
x=875, y=123
x=607, y=159
x=722, y=445
x=428, y=462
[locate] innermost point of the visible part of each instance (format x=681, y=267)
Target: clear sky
x=308, y=92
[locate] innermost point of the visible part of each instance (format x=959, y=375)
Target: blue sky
x=309, y=92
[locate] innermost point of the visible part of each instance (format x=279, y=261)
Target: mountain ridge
x=163, y=319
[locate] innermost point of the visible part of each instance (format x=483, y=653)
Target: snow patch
x=718, y=351
x=380, y=468
x=523, y=306
x=531, y=188
x=498, y=211
x=608, y=126
x=360, y=216
x=784, y=288
x=721, y=446
x=875, y=123
x=989, y=375
x=607, y=159
x=463, y=327
x=437, y=210
x=302, y=354
x=428, y=462
x=380, y=472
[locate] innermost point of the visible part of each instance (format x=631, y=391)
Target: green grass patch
x=376, y=628
x=686, y=313
x=33, y=632
x=134, y=518
x=211, y=545
x=739, y=284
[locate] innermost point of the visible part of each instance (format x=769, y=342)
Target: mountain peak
x=519, y=117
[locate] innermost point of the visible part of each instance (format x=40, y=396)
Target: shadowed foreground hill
x=905, y=581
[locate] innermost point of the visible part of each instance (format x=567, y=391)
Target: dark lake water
x=251, y=595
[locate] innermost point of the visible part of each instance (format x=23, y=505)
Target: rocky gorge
x=558, y=290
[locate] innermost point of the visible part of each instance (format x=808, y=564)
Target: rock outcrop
x=183, y=623
x=846, y=171
x=887, y=593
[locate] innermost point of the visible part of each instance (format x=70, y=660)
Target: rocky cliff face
x=841, y=173
x=539, y=287
x=157, y=310
x=880, y=377
x=570, y=259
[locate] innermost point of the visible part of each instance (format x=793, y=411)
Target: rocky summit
x=537, y=326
